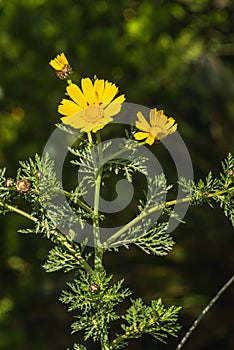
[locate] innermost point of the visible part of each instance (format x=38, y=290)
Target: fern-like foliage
x=219, y=190
x=148, y=236
x=226, y=182
x=156, y=241
x=95, y=298
x=92, y=295
x=157, y=320
x=78, y=347
x=5, y=192
x=203, y=188
x=61, y=259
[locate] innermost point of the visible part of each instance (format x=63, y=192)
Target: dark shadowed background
x=174, y=55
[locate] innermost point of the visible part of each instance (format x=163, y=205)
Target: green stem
x=79, y=202
x=97, y=244
x=144, y=214
x=98, y=249
x=19, y=211
x=116, y=154
x=105, y=342
x=96, y=232
x=56, y=235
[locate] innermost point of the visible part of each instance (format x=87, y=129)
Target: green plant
x=93, y=295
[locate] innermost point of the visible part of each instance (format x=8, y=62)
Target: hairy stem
x=19, y=211
x=204, y=312
x=97, y=244
x=98, y=259
x=78, y=201
x=55, y=237
x=96, y=232
x=144, y=214
x=105, y=342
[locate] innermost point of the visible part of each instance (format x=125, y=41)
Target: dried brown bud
x=65, y=72
x=9, y=182
x=231, y=172
x=23, y=185
x=93, y=287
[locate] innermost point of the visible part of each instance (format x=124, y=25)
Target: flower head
x=160, y=126
x=23, y=185
x=91, y=107
x=61, y=66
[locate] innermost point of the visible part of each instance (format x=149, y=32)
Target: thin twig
x=19, y=211
x=59, y=237
x=204, y=312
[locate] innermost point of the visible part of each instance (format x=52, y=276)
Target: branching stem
x=171, y=203
x=56, y=235
x=79, y=202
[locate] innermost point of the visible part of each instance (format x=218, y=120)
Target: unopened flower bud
x=23, y=185
x=61, y=66
x=9, y=182
x=93, y=287
x=39, y=173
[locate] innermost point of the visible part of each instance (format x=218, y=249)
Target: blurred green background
x=175, y=55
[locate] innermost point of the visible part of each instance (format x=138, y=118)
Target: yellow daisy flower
x=61, y=66
x=91, y=107
x=160, y=126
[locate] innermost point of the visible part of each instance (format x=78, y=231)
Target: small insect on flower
x=61, y=66
x=93, y=287
x=160, y=126
x=23, y=185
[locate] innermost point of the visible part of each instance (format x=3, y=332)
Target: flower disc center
x=93, y=113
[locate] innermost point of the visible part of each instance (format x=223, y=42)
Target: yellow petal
x=97, y=128
x=161, y=119
x=112, y=109
x=100, y=125
x=76, y=94
x=110, y=90
x=142, y=127
x=59, y=62
x=150, y=140
x=74, y=120
x=142, y=122
x=105, y=120
x=153, y=114
x=171, y=120
x=141, y=135
x=63, y=58
x=55, y=65
x=88, y=127
x=88, y=90
x=173, y=129
x=99, y=88
x=68, y=107
x=119, y=99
